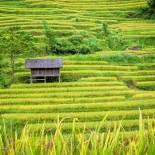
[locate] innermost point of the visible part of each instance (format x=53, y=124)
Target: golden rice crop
x=56, y=100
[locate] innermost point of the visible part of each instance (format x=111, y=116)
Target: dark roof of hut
x=43, y=63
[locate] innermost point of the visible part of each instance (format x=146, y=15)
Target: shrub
x=84, y=49
x=114, y=39
x=93, y=43
x=77, y=44
x=72, y=45
x=63, y=46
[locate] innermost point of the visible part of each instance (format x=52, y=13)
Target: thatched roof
x=43, y=63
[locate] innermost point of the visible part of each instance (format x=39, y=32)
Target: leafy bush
x=115, y=39
x=72, y=45
x=63, y=46
x=76, y=44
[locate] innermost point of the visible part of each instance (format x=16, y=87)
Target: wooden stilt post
x=59, y=75
x=31, y=80
x=59, y=79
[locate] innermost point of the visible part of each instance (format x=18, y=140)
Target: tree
x=50, y=40
x=13, y=43
x=78, y=43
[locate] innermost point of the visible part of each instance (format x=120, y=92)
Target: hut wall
x=45, y=72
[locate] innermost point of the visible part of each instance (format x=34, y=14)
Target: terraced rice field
x=101, y=89
x=90, y=89
x=69, y=17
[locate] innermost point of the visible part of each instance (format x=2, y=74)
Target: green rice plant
x=127, y=125
x=85, y=142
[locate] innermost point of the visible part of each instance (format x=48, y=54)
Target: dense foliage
x=81, y=43
x=151, y=4
x=13, y=43
x=114, y=38
x=4, y=78
x=147, y=12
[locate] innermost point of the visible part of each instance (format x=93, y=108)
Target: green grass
x=80, y=141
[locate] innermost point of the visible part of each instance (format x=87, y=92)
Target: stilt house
x=41, y=69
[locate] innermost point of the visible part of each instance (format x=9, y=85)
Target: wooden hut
x=41, y=69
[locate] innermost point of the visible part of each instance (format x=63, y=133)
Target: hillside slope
x=70, y=17
x=97, y=88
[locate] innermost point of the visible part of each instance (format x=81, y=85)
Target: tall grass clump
x=32, y=142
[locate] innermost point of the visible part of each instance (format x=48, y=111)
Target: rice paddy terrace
x=101, y=89
x=98, y=87
x=69, y=17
